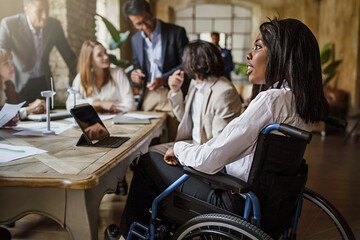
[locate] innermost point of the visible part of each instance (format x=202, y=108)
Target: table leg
x=82, y=206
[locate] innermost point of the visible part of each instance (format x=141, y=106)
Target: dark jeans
x=152, y=176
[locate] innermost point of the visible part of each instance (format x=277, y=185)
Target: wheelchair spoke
x=320, y=220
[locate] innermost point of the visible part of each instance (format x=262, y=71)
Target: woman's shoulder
x=275, y=95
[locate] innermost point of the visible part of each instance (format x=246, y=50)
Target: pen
x=12, y=150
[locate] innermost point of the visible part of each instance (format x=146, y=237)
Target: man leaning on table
x=30, y=36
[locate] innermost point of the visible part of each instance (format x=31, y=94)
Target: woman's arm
x=237, y=140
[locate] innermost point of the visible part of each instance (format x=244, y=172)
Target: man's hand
x=158, y=82
x=169, y=157
x=176, y=80
x=137, y=75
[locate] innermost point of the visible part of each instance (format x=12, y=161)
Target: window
x=232, y=22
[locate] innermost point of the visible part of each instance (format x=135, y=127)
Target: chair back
x=277, y=177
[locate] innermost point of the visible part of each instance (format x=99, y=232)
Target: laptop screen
x=90, y=123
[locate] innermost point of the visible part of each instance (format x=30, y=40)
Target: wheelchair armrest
x=337, y=122
x=295, y=132
x=223, y=180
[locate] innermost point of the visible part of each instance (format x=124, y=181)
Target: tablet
x=94, y=131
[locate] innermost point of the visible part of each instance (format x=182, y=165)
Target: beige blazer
x=221, y=104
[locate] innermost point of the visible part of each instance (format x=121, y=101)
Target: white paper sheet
x=36, y=129
x=140, y=116
x=10, y=152
x=8, y=112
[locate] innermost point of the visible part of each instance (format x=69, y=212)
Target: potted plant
x=337, y=99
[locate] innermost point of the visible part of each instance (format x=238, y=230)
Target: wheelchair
x=276, y=200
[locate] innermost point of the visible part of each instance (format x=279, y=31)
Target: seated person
x=212, y=101
x=6, y=74
x=284, y=66
x=106, y=89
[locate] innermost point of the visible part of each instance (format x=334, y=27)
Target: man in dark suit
x=157, y=52
x=30, y=36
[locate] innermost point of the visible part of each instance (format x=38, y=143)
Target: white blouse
x=235, y=146
x=120, y=91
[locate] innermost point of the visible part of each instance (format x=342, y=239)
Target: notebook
x=94, y=131
x=54, y=115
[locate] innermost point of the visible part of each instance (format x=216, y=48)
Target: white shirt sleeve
x=23, y=113
x=237, y=140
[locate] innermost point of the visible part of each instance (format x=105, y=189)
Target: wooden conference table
x=67, y=183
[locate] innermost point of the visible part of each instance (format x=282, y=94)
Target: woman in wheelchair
x=284, y=68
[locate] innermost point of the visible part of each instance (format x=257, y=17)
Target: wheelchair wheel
x=319, y=219
x=218, y=227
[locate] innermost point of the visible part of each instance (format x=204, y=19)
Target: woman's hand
x=36, y=107
x=108, y=106
x=176, y=80
x=13, y=122
x=169, y=157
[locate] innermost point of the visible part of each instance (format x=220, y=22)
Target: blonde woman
x=6, y=74
x=106, y=89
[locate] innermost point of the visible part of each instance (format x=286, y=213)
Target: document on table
x=140, y=116
x=37, y=129
x=8, y=112
x=10, y=152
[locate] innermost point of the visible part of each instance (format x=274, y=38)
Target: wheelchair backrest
x=277, y=177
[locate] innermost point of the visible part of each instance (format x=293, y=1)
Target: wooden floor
x=334, y=172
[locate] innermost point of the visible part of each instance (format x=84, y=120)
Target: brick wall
x=78, y=22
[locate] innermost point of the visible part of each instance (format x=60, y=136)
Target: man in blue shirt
x=157, y=51
x=226, y=54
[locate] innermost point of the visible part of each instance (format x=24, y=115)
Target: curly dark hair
x=203, y=59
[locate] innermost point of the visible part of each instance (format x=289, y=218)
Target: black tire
x=218, y=226
x=319, y=219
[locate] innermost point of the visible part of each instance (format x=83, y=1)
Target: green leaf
x=331, y=68
x=240, y=68
x=113, y=31
x=328, y=78
x=325, y=53
x=122, y=39
x=118, y=62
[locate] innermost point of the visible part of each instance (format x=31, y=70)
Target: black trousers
x=152, y=176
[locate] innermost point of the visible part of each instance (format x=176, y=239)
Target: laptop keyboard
x=111, y=142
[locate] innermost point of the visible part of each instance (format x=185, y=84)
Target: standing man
x=226, y=54
x=30, y=36
x=157, y=52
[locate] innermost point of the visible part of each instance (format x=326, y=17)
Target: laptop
x=94, y=131
x=54, y=115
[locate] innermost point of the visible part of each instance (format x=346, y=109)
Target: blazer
x=16, y=36
x=221, y=104
x=173, y=41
